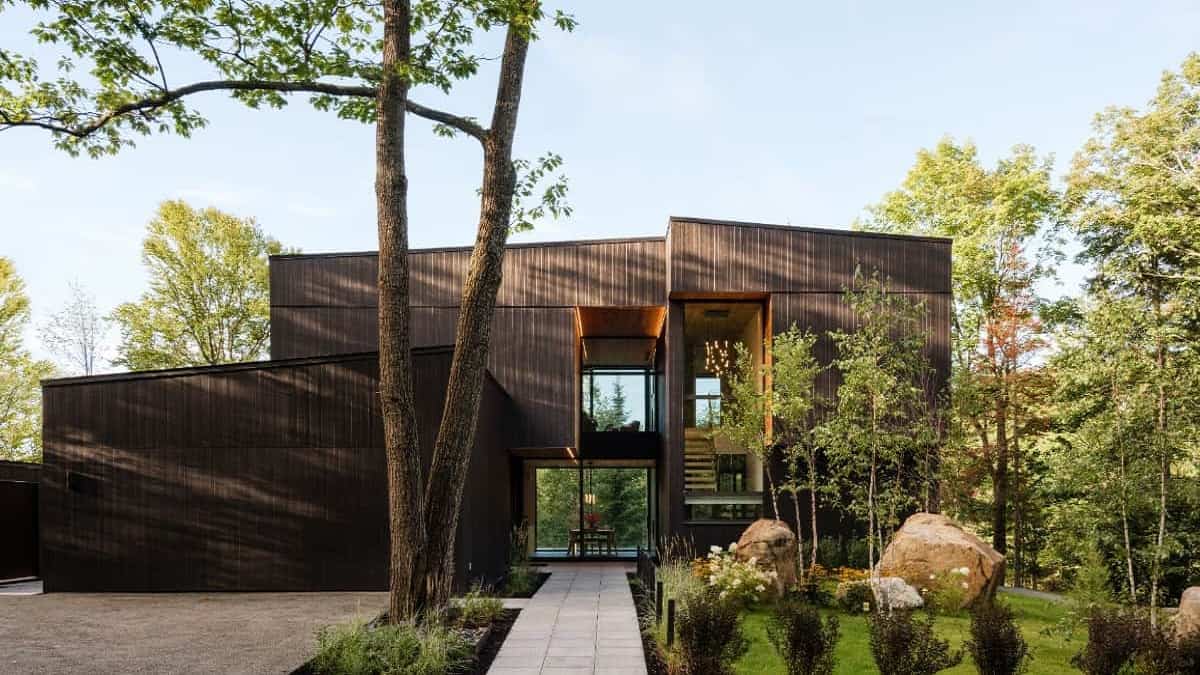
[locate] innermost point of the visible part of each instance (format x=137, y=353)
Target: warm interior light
x=717, y=359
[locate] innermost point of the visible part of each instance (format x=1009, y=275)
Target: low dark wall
x=18, y=519
x=267, y=476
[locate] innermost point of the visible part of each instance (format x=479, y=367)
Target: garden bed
x=642, y=601
x=539, y=579
x=1038, y=619
x=487, y=642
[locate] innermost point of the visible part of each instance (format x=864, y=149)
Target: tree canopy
x=209, y=295
x=20, y=373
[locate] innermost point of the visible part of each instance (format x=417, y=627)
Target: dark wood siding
x=800, y=275
x=19, y=519
x=247, y=477
x=326, y=304
x=714, y=257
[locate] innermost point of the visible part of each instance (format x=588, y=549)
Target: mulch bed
x=489, y=646
x=641, y=599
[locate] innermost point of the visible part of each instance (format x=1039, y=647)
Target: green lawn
x=1051, y=654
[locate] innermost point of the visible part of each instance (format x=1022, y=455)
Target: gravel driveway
x=169, y=633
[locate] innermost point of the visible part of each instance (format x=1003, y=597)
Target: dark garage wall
x=266, y=476
x=19, y=519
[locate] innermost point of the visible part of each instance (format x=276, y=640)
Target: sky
x=797, y=113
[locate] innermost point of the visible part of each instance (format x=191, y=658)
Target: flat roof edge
x=453, y=249
x=230, y=367
x=808, y=228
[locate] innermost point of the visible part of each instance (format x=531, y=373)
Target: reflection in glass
x=618, y=399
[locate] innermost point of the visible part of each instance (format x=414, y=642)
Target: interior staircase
x=699, y=461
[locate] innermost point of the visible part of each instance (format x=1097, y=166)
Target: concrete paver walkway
x=582, y=620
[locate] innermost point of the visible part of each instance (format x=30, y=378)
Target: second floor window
x=618, y=399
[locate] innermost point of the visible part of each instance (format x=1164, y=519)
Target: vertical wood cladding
x=19, y=519
x=322, y=305
x=248, y=477
x=801, y=275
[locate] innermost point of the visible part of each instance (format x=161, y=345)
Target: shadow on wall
x=250, y=477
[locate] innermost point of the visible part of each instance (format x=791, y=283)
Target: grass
x=357, y=649
x=1051, y=654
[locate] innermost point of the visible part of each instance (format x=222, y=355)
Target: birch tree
x=1134, y=199
x=76, y=332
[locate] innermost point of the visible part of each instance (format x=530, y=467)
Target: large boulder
x=893, y=593
x=1187, y=621
x=772, y=543
x=930, y=545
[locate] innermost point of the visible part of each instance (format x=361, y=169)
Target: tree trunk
x=1124, y=474
x=452, y=450
x=1000, y=479
x=812, y=501
x=405, y=510
x=766, y=460
x=799, y=535
x=1018, y=504
x=1164, y=464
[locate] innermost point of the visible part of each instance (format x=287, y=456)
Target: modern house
x=605, y=365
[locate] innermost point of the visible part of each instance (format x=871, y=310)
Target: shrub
x=856, y=597
x=520, y=581
x=710, y=633
x=740, y=581
x=479, y=608
x=996, y=644
x=1113, y=637
x=407, y=649
x=805, y=643
x=946, y=591
x=813, y=591
x=902, y=645
x=1162, y=653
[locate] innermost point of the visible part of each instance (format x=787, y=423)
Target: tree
x=745, y=409
x=209, y=298
x=869, y=435
x=360, y=60
x=20, y=393
x=609, y=411
x=76, y=332
x=1134, y=199
x=1000, y=220
x=795, y=406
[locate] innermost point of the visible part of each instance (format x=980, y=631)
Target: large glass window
x=721, y=482
x=618, y=399
x=613, y=518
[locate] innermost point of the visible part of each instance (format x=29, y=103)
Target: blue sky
x=790, y=112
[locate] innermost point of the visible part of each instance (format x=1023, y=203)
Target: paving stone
x=582, y=620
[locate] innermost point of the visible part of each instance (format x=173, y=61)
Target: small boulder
x=1187, y=621
x=894, y=593
x=930, y=544
x=772, y=543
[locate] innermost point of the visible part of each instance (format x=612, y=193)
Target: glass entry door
x=596, y=511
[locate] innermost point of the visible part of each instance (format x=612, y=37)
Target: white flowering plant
x=736, y=580
x=946, y=591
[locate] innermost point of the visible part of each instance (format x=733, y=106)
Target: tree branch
x=463, y=124
x=152, y=103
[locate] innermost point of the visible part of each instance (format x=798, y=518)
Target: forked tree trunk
x=452, y=450
x=406, y=522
